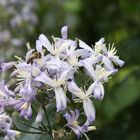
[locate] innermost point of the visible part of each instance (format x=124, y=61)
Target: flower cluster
x=54, y=69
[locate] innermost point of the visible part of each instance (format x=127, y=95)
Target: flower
x=6, y=66
x=5, y=126
x=5, y=95
x=99, y=75
x=110, y=57
x=56, y=84
x=50, y=71
x=24, y=100
x=73, y=123
x=84, y=96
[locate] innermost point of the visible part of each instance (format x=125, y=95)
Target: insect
x=34, y=55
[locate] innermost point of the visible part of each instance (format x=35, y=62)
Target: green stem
x=24, y=131
x=82, y=78
x=47, y=119
x=31, y=126
x=43, y=126
x=88, y=81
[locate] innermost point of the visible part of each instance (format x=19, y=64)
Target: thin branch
x=47, y=119
x=31, y=126
x=24, y=131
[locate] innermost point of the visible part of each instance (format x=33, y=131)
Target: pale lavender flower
x=100, y=47
x=5, y=126
x=24, y=101
x=58, y=46
x=87, y=127
x=84, y=96
x=85, y=46
x=99, y=75
x=73, y=123
x=110, y=57
x=56, y=84
x=5, y=94
x=23, y=74
x=6, y=65
x=73, y=55
x=55, y=72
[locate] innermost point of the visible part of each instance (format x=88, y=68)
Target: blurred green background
x=118, y=115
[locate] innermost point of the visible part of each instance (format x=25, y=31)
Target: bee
x=34, y=55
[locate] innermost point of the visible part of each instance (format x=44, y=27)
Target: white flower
x=110, y=57
x=56, y=83
x=83, y=96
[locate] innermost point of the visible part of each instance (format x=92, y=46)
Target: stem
x=47, y=119
x=82, y=79
x=86, y=136
x=26, y=131
x=31, y=126
x=43, y=126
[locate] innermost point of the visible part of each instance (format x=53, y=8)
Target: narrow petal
x=108, y=63
x=73, y=88
x=116, y=60
x=77, y=130
x=85, y=46
x=45, y=79
x=60, y=99
x=89, y=110
x=45, y=42
x=82, y=52
x=101, y=41
x=90, y=89
x=74, y=114
x=68, y=117
x=64, y=75
x=64, y=32
x=6, y=66
x=29, y=112
x=39, y=46
x=90, y=70
x=98, y=92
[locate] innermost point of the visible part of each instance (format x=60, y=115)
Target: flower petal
x=64, y=32
x=98, y=91
x=73, y=88
x=45, y=42
x=85, y=46
x=108, y=63
x=61, y=100
x=90, y=70
x=116, y=60
x=89, y=110
x=45, y=79
x=39, y=46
